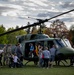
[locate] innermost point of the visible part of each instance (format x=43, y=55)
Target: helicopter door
x=27, y=48
x=26, y=51
x=50, y=44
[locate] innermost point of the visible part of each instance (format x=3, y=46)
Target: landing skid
x=27, y=63
x=35, y=62
x=66, y=63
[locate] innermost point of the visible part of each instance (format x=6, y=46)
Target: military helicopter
x=64, y=49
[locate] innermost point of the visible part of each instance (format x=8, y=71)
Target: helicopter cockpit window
x=66, y=42
x=59, y=43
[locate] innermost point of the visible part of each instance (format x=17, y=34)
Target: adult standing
x=4, y=55
x=53, y=53
x=8, y=53
x=40, y=57
x=46, y=55
x=18, y=51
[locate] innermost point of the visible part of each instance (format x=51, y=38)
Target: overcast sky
x=16, y=12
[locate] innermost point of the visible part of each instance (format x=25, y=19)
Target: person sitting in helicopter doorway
x=31, y=50
x=53, y=53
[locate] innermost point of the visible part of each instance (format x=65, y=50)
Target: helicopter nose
x=67, y=50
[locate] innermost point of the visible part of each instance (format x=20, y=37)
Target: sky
x=20, y=12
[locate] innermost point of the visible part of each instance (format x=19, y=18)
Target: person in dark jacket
x=18, y=51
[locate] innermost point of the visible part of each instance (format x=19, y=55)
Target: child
x=15, y=60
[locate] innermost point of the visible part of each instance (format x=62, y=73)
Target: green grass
x=30, y=69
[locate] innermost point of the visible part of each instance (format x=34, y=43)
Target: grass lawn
x=30, y=69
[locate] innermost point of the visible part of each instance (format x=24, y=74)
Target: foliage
x=59, y=28
x=71, y=34
x=10, y=38
x=3, y=39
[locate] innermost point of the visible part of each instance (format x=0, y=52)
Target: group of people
x=12, y=59
x=15, y=59
x=46, y=56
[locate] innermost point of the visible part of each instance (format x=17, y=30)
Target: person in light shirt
x=40, y=56
x=46, y=54
x=53, y=53
x=15, y=60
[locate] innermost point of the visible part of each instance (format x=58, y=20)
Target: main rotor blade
x=34, y=24
x=61, y=14
x=37, y=23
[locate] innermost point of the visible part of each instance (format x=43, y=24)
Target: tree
x=71, y=34
x=12, y=36
x=3, y=39
x=58, y=28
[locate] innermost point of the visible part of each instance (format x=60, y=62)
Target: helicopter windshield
x=59, y=43
x=66, y=42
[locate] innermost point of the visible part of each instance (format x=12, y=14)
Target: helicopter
x=64, y=49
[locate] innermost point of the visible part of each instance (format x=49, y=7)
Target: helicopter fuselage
x=63, y=48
